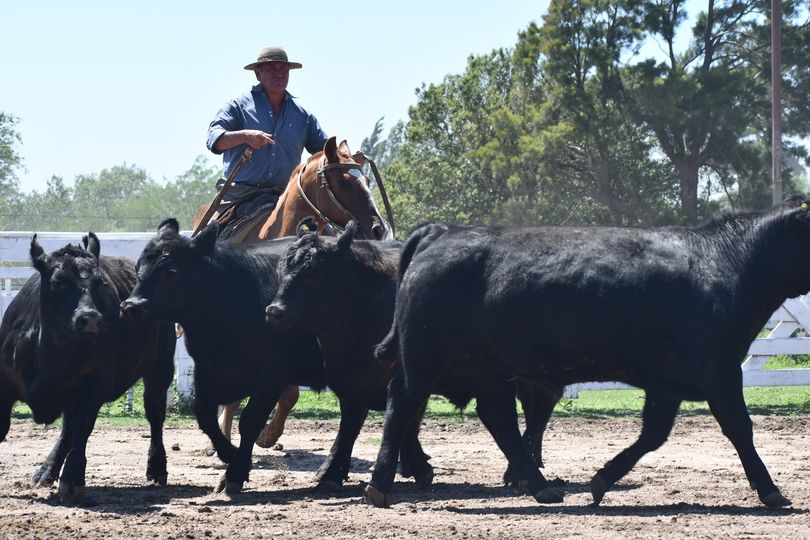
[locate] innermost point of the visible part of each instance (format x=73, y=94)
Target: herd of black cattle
x=466, y=312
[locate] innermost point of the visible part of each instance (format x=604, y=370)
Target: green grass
x=778, y=400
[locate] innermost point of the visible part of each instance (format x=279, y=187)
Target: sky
x=102, y=83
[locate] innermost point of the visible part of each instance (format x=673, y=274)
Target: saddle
x=237, y=218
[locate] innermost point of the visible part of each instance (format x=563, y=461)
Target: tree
x=10, y=161
x=710, y=106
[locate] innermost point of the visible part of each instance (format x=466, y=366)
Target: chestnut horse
x=331, y=188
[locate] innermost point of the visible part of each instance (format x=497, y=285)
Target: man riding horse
x=271, y=122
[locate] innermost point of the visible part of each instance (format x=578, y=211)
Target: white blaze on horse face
x=365, y=184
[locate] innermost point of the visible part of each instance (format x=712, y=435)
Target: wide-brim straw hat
x=272, y=54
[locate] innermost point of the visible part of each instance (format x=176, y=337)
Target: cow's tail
x=388, y=349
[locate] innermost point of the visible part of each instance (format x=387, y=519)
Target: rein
x=323, y=183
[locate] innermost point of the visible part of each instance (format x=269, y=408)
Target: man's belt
x=262, y=185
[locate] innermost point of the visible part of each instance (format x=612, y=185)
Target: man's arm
x=252, y=137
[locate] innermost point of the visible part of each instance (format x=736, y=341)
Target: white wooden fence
x=14, y=256
x=786, y=328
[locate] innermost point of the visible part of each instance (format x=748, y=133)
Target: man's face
x=273, y=76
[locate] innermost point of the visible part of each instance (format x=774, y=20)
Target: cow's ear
x=170, y=226
x=206, y=239
x=38, y=257
x=306, y=226
x=91, y=244
x=346, y=239
x=330, y=150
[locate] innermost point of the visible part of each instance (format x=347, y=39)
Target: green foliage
x=121, y=198
x=10, y=161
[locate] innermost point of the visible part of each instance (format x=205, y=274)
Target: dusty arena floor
x=692, y=487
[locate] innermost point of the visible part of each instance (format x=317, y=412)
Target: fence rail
x=785, y=330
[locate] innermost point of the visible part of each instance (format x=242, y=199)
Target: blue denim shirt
x=273, y=163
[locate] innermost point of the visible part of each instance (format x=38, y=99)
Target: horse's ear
x=38, y=257
x=169, y=225
x=91, y=244
x=345, y=241
x=330, y=150
x=206, y=239
x=306, y=226
x=343, y=148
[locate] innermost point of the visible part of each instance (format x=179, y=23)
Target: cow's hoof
x=43, y=479
x=375, y=497
x=598, y=489
x=424, y=480
x=69, y=493
x=774, y=499
x=328, y=486
x=549, y=495
x=511, y=478
x=158, y=479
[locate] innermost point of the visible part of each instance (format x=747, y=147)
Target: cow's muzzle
x=134, y=309
x=276, y=315
x=88, y=322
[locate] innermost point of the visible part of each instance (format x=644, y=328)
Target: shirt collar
x=257, y=89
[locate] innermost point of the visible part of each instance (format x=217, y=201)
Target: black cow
x=670, y=310
x=343, y=291
x=218, y=293
x=64, y=350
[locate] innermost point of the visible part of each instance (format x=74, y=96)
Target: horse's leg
x=225, y=419
x=273, y=430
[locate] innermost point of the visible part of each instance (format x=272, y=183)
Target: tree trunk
x=688, y=175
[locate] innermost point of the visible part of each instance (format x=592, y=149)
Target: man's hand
x=256, y=138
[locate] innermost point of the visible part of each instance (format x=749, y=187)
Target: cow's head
x=310, y=277
x=165, y=270
x=77, y=310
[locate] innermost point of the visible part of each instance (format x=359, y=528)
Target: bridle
x=323, y=184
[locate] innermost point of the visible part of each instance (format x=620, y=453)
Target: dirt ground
x=693, y=486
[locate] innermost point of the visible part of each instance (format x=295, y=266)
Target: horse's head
x=342, y=192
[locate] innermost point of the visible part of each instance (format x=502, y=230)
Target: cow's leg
x=497, y=410
x=48, y=472
x=538, y=404
x=225, y=414
x=6, y=405
x=413, y=461
x=205, y=410
x=728, y=407
x=402, y=409
x=336, y=467
x=251, y=421
x=273, y=430
x=155, y=386
x=658, y=418
x=79, y=422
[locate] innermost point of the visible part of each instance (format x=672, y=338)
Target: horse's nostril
x=377, y=231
